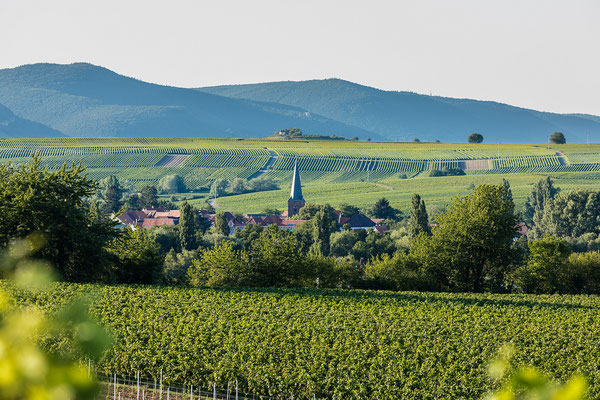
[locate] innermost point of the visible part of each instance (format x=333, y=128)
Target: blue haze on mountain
x=12, y=126
x=85, y=100
x=406, y=115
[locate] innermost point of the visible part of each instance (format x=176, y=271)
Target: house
x=148, y=218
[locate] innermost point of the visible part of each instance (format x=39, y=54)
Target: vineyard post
x=161, y=385
x=89, y=368
x=143, y=394
x=168, y=387
x=191, y=391
x=214, y=391
x=236, y=389
x=227, y=390
x=138, y=385
x=115, y=387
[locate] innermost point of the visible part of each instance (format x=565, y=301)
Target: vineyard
x=401, y=166
x=336, y=344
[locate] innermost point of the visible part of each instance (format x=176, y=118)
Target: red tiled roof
x=150, y=222
x=293, y=222
x=167, y=214
x=131, y=217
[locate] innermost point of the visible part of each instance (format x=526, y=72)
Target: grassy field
x=337, y=344
x=332, y=171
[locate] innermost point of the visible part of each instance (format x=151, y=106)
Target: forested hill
x=86, y=100
x=15, y=127
x=406, y=115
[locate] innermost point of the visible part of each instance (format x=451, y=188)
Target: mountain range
x=44, y=100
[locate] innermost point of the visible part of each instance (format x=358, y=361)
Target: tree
x=187, y=227
x=396, y=272
x=471, y=248
x=137, y=256
x=261, y=184
x=543, y=191
x=475, y=138
x=176, y=266
x=221, y=224
x=558, y=138
x=271, y=211
x=50, y=204
x=111, y=193
x=348, y=210
x=219, y=188
x=237, y=186
x=341, y=243
x=569, y=214
x=383, y=209
x=276, y=261
x=419, y=221
x=323, y=225
x=506, y=185
x=149, y=196
x=545, y=272
x=249, y=235
x=171, y=184
x=133, y=202
x=221, y=266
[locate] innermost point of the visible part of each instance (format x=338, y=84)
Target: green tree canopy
x=383, y=209
x=112, y=194
x=558, y=138
x=52, y=203
x=475, y=138
x=471, y=248
x=543, y=191
x=171, y=184
x=149, y=196
x=419, y=220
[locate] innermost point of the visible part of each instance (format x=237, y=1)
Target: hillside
x=405, y=115
x=84, y=100
x=12, y=126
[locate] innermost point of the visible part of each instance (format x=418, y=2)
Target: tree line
x=472, y=245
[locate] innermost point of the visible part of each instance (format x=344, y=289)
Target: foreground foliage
x=340, y=344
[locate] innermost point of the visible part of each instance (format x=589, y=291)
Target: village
x=152, y=217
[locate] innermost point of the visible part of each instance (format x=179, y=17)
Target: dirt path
x=172, y=160
x=562, y=159
x=267, y=165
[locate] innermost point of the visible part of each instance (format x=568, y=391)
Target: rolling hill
x=406, y=115
x=84, y=100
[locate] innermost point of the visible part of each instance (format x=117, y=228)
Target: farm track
x=172, y=160
x=268, y=165
x=562, y=158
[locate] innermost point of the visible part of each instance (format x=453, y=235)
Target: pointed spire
x=296, y=193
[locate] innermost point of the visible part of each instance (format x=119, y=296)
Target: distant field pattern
x=141, y=161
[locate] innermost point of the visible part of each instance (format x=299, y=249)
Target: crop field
x=331, y=171
x=336, y=344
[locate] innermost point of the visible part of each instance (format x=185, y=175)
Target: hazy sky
x=541, y=54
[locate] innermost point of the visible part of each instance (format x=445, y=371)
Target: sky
x=535, y=54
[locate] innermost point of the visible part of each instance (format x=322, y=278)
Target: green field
x=332, y=171
x=337, y=344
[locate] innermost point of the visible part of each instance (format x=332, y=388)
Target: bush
x=397, y=272
x=445, y=171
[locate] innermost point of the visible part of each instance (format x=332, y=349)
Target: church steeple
x=296, y=201
x=296, y=193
